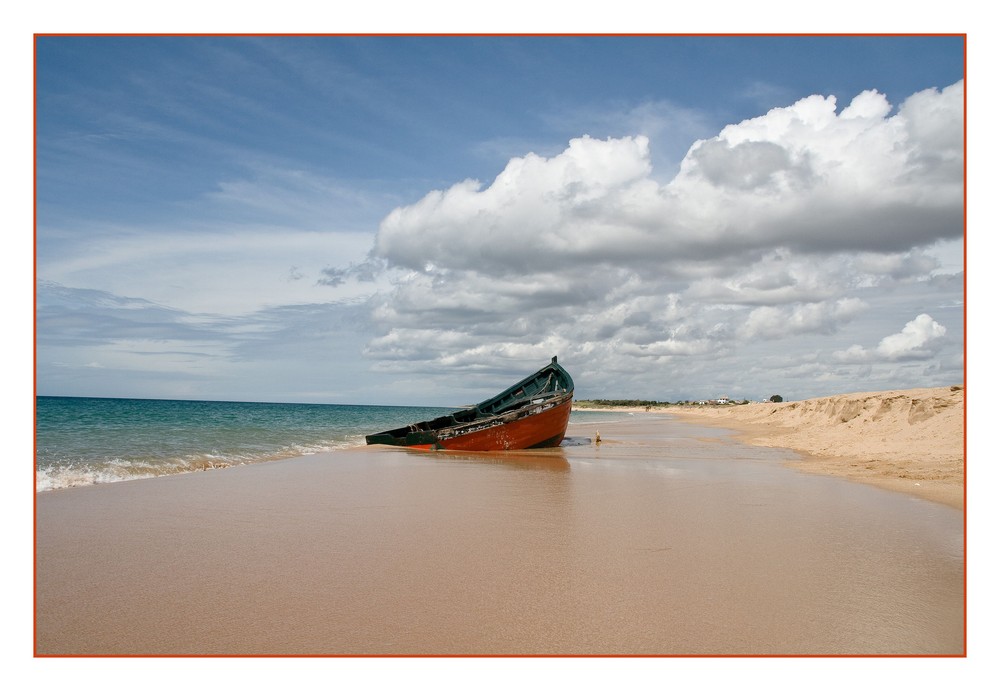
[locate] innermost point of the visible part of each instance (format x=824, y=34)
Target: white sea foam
x=80, y=474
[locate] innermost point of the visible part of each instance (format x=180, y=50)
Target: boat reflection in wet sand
x=532, y=414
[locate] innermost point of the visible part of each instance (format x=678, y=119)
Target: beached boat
x=531, y=414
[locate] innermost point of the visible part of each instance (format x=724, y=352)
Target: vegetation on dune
x=618, y=403
x=636, y=403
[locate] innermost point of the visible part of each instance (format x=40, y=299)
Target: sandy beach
x=910, y=441
x=669, y=538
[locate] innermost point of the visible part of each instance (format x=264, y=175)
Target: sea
x=85, y=441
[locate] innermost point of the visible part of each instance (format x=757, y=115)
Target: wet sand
x=668, y=538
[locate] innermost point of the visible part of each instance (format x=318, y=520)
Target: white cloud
x=779, y=322
x=536, y=212
x=917, y=339
x=802, y=177
x=800, y=225
x=920, y=339
x=808, y=178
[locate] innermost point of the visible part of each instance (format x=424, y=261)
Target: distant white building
x=721, y=400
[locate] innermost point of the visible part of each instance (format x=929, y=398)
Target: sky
x=423, y=220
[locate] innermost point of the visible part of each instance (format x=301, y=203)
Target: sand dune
x=910, y=440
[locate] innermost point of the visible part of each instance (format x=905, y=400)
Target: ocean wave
x=81, y=473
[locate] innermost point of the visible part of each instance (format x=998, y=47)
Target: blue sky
x=419, y=220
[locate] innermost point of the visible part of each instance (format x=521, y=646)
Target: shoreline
x=910, y=441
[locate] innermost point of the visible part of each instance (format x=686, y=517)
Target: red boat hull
x=541, y=430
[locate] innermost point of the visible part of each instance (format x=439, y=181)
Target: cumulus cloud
x=803, y=176
x=774, y=229
x=539, y=213
x=920, y=339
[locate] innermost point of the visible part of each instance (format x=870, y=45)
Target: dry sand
x=910, y=441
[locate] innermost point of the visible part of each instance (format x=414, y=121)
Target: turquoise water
x=84, y=441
